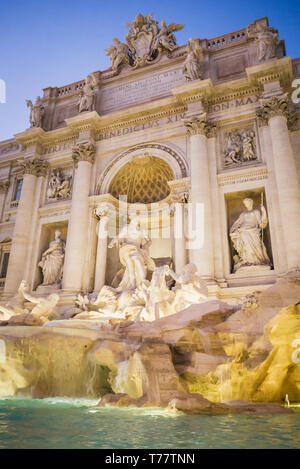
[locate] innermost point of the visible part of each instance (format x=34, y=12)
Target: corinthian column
x=276, y=111
x=179, y=197
x=201, y=244
x=32, y=168
x=76, y=244
x=101, y=257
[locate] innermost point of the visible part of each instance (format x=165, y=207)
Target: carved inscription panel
x=154, y=87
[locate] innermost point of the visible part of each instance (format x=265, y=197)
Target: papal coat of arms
x=145, y=40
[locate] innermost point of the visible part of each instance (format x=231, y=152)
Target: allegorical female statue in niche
x=53, y=260
x=246, y=235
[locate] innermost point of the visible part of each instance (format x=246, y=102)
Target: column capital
x=273, y=107
x=199, y=125
x=101, y=211
x=180, y=197
x=179, y=190
x=34, y=166
x=84, y=152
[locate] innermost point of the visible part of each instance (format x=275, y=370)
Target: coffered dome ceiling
x=143, y=180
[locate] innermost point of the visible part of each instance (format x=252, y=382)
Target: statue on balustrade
x=37, y=112
x=246, y=234
x=87, y=99
x=192, y=64
x=133, y=244
x=166, y=38
x=53, y=260
x=267, y=41
x=119, y=54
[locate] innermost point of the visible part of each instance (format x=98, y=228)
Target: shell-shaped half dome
x=143, y=180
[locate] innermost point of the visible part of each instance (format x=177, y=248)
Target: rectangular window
x=18, y=189
x=4, y=265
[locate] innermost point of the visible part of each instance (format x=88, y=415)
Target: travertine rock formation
x=195, y=360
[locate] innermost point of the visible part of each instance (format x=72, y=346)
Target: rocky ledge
x=209, y=358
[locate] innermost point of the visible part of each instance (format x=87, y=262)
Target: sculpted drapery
x=246, y=236
x=53, y=260
x=133, y=251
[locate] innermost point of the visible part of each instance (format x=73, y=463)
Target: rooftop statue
x=192, y=64
x=267, y=41
x=166, y=38
x=37, y=112
x=145, y=40
x=88, y=95
x=119, y=54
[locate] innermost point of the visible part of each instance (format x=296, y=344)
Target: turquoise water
x=67, y=423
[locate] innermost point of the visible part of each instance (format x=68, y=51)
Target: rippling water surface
x=77, y=423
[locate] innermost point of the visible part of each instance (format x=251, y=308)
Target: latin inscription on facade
x=227, y=105
x=140, y=91
x=172, y=119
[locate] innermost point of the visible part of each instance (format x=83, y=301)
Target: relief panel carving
x=59, y=185
x=239, y=147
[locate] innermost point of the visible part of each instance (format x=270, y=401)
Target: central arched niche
x=144, y=179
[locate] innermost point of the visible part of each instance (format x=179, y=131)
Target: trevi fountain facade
x=150, y=227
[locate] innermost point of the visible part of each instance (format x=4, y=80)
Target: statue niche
x=52, y=262
x=248, y=240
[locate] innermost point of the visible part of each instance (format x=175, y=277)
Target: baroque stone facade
x=200, y=140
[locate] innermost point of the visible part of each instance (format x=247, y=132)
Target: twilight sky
x=53, y=43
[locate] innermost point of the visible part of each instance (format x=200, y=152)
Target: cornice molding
x=274, y=70
x=34, y=136
x=243, y=175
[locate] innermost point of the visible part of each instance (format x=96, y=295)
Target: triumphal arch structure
x=200, y=142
